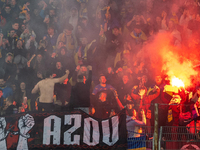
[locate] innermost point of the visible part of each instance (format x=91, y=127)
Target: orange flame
x=179, y=69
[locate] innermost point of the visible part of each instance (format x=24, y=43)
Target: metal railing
x=143, y=138
x=179, y=137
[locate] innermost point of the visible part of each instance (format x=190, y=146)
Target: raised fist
x=25, y=124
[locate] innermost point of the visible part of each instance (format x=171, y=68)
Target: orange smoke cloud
x=174, y=61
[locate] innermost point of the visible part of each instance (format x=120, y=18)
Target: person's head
x=158, y=79
x=73, y=11
x=83, y=4
x=19, y=44
x=102, y=79
x=52, y=12
x=115, y=31
x=9, y=101
x=1, y=93
x=126, y=54
x=58, y=65
x=144, y=79
x=60, y=44
x=83, y=69
x=103, y=96
x=137, y=29
x=7, y=9
x=13, y=2
x=98, y=15
x=22, y=85
x=130, y=109
x=36, y=12
x=68, y=29
x=50, y=30
x=2, y=82
x=13, y=86
x=84, y=20
x=9, y=58
x=79, y=28
x=15, y=25
x=125, y=79
x=23, y=27
x=130, y=9
x=63, y=50
x=12, y=33
x=39, y=58
x=84, y=40
x=158, y=20
x=171, y=25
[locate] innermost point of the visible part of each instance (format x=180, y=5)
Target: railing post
x=160, y=138
x=155, y=135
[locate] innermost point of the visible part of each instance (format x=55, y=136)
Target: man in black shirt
x=80, y=93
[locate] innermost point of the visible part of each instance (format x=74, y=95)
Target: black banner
x=62, y=130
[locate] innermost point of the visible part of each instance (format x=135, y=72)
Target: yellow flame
x=177, y=82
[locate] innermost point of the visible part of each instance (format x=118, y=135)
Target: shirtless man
x=46, y=88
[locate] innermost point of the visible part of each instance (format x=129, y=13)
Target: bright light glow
x=177, y=82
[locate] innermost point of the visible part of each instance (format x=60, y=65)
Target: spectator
x=103, y=86
x=73, y=19
x=143, y=101
x=51, y=39
x=2, y=21
x=46, y=88
x=31, y=45
x=124, y=88
x=84, y=52
x=106, y=105
x=67, y=59
x=61, y=90
x=9, y=107
x=68, y=39
x=132, y=124
x=7, y=91
x=9, y=67
x=80, y=93
x=12, y=37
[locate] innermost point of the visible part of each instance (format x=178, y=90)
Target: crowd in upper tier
x=99, y=43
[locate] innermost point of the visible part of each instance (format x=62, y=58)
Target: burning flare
x=177, y=82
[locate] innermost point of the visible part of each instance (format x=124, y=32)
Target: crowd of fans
x=98, y=42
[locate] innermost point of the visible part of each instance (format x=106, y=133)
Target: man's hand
x=155, y=88
x=28, y=63
x=142, y=112
x=25, y=124
x=89, y=67
x=78, y=68
x=67, y=72
x=39, y=75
